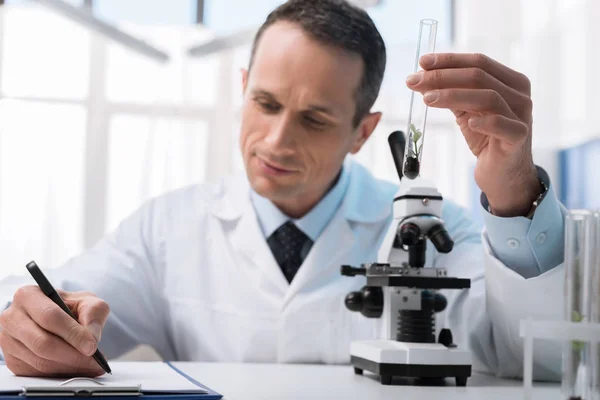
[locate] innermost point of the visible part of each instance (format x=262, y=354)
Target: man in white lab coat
x=249, y=269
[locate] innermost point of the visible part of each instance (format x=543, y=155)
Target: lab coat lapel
x=366, y=202
x=327, y=253
x=247, y=239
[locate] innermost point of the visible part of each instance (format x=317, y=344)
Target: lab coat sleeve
x=485, y=318
x=529, y=247
x=124, y=270
x=511, y=298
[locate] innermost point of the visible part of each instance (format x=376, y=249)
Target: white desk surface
x=311, y=382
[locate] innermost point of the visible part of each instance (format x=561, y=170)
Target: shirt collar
x=366, y=198
x=314, y=222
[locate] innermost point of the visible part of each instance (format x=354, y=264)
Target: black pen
x=49, y=291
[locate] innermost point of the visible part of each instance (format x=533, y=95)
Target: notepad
x=151, y=377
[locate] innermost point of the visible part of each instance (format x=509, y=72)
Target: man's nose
x=280, y=134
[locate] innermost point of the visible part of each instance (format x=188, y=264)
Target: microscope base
x=388, y=358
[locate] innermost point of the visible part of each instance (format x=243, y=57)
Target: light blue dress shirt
x=314, y=222
x=530, y=247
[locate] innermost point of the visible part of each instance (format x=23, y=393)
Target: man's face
x=297, y=121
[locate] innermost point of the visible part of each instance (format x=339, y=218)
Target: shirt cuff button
x=512, y=243
x=541, y=238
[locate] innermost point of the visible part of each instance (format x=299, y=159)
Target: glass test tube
x=580, y=257
x=417, y=116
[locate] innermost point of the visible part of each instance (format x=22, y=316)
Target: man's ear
x=365, y=129
x=244, y=72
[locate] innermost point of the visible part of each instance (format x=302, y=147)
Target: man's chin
x=270, y=188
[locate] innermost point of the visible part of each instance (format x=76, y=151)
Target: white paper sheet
x=154, y=377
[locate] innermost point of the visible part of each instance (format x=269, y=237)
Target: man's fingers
x=469, y=78
x=42, y=343
x=29, y=364
x=53, y=319
x=504, y=74
x=503, y=128
x=471, y=100
x=92, y=313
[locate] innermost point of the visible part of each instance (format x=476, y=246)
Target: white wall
x=555, y=43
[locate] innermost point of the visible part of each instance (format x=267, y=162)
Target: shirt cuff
x=529, y=247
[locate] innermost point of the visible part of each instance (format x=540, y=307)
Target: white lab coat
x=191, y=274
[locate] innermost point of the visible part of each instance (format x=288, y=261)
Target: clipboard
x=84, y=387
x=81, y=388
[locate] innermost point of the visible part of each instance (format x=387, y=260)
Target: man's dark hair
x=340, y=24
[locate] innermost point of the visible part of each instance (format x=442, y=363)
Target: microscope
x=405, y=294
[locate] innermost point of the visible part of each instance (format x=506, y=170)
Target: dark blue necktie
x=289, y=246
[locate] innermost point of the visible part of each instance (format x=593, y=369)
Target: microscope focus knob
x=368, y=301
x=439, y=302
x=354, y=301
x=431, y=301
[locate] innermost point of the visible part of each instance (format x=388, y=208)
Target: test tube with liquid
x=417, y=116
x=580, y=265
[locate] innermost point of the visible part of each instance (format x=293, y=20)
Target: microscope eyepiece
x=440, y=238
x=397, y=142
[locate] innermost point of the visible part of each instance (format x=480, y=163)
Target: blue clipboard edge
x=211, y=395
